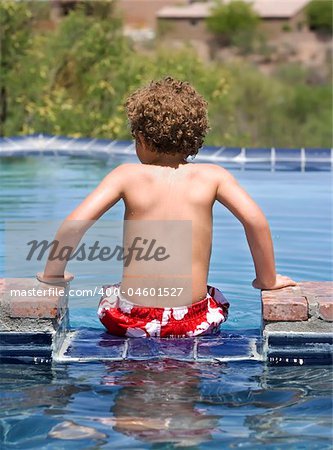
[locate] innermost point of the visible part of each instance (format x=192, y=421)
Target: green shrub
x=74, y=82
x=228, y=21
x=320, y=16
x=15, y=25
x=286, y=27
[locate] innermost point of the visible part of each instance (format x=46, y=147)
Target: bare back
x=164, y=193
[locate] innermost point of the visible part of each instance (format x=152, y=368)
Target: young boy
x=168, y=120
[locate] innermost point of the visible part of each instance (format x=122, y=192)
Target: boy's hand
x=280, y=282
x=57, y=281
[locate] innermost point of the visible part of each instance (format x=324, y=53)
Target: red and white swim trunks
x=123, y=318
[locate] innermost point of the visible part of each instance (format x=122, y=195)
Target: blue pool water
x=170, y=404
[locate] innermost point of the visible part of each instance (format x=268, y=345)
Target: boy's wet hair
x=170, y=114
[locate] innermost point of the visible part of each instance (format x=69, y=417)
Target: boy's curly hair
x=170, y=114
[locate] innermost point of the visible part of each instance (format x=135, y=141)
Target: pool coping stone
x=36, y=329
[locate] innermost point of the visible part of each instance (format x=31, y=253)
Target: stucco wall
x=184, y=29
x=142, y=13
x=274, y=27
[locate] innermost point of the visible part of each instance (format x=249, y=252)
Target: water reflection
x=306, y=416
x=69, y=430
x=158, y=403
x=165, y=402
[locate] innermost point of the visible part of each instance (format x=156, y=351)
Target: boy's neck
x=168, y=160
x=150, y=156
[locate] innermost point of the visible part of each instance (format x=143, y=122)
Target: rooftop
x=266, y=9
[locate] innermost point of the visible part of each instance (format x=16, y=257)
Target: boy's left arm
x=71, y=231
x=257, y=230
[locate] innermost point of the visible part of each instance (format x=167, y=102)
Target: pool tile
x=219, y=152
x=258, y=154
x=210, y=149
x=89, y=344
x=299, y=341
x=258, y=165
x=318, y=166
x=223, y=348
x=282, y=154
x=176, y=348
x=219, y=336
x=230, y=152
x=160, y=348
x=322, y=154
x=15, y=339
x=288, y=166
x=139, y=348
x=26, y=351
x=279, y=357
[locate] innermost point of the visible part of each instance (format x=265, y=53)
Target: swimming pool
x=171, y=403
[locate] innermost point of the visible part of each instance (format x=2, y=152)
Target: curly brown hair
x=170, y=114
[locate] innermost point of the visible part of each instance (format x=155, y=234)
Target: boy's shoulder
x=212, y=171
x=126, y=169
x=128, y=166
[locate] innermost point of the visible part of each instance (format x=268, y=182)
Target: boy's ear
x=140, y=138
x=146, y=144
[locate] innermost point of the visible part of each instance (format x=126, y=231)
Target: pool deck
x=296, y=329
x=297, y=323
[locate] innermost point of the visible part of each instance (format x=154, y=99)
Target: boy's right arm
x=71, y=231
x=257, y=231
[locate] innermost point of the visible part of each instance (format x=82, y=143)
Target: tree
x=319, y=16
x=15, y=26
x=73, y=81
x=229, y=21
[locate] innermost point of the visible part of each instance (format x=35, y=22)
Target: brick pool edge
x=297, y=325
x=33, y=320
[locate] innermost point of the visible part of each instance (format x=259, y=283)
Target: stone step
x=297, y=324
x=94, y=345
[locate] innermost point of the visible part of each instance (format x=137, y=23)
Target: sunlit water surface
x=173, y=404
